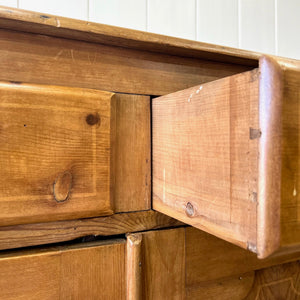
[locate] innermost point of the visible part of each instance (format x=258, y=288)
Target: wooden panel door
x=56, y=153
x=186, y=263
x=226, y=157
x=216, y=269
x=87, y=271
x=163, y=264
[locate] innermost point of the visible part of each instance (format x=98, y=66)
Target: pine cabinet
x=138, y=166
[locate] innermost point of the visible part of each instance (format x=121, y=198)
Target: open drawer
x=226, y=157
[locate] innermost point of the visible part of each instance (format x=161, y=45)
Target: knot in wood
x=62, y=187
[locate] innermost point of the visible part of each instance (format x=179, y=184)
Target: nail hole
x=189, y=209
x=254, y=133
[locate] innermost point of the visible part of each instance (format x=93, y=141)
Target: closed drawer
x=83, y=271
x=226, y=157
x=56, y=153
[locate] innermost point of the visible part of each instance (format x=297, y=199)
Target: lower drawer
x=93, y=271
x=181, y=263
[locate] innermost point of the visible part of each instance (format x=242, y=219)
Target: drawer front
x=56, y=154
x=95, y=271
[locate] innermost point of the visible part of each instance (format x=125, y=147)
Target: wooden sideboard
x=113, y=141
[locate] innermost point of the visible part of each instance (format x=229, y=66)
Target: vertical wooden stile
x=133, y=267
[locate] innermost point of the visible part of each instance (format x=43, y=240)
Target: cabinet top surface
x=35, y=22
x=22, y=20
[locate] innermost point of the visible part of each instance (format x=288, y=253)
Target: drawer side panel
x=205, y=157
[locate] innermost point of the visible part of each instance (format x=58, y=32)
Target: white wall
x=269, y=26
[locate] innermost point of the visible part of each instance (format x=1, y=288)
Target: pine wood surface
x=222, y=259
x=204, y=161
x=17, y=19
x=37, y=48
x=163, y=264
x=132, y=188
x=134, y=266
x=181, y=263
x=225, y=157
x=87, y=152
x=46, y=24
x=290, y=203
x=44, y=59
x=229, y=288
x=270, y=153
x=277, y=282
x=95, y=271
x=53, y=232
x=212, y=269
x=186, y=263
x=55, y=153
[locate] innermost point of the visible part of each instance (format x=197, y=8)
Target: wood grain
x=290, y=184
x=46, y=24
x=278, y=282
x=132, y=153
x=53, y=232
x=95, y=271
x=134, y=266
x=269, y=170
x=55, y=148
x=229, y=288
x=203, y=266
x=42, y=59
x=225, y=157
x=22, y=20
x=204, y=158
x=163, y=264
x=209, y=258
